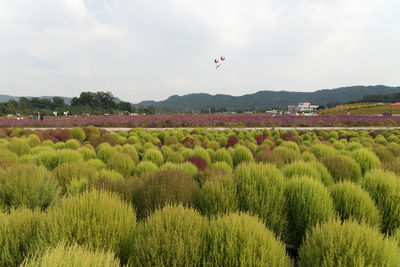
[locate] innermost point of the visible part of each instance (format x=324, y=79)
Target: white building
x=302, y=107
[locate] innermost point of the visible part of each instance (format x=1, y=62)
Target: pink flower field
x=208, y=120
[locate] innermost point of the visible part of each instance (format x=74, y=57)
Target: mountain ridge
x=267, y=98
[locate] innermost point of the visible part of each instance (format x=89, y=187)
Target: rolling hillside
x=268, y=99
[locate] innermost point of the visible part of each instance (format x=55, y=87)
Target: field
x=199, y=197
x=362, y=109
x=207, y=120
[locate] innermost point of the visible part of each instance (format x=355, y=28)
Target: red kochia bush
x=232, y=141
x=188, y=142
x=200, y=163
x=289, y=136
x=260, y=138
x=61, y=134
x=373, y=134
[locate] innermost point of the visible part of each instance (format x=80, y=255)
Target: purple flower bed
x=209, y=120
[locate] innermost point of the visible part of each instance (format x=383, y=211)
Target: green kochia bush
x=146, y=167
x=72, y=144
x=19, y=147
x=321, y=150
x=243, y=240
x=223, y=155
x=122, y=163
x=351, y=201
x=218, y=195
x=52, y=159
x=260, y=190
x=173, y=236
x=221, y=166
x=154, y=156
x=21, y=233
x=187, y=167
x=270, y=156
x=87, y=153
x=300, y=168
x=366, y=159
x=77, y=256
x=27, y=185
x=347, y=244
x=288, y=155
x=96, y=219
x=105, y=151
x=67, y=172
x=241, y=154
x=309, y=203
x=78, y=133
x=342, y=168
x=7, y=157
x=384, y=189
x=165, y=187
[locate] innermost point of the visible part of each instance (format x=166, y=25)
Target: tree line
x=96, y=103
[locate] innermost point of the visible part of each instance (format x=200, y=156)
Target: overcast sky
x=141, y=50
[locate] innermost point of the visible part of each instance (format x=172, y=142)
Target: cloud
x=153, y=49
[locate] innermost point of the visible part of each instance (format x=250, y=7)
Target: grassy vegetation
x=198, y=197
x=347, y=244
x=361, y=109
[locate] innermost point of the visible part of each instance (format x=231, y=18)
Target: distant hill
x=268, y=99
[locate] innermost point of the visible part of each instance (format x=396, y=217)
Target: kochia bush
x=384, y=189
x=27, y=185
x=366, y=159
x=347, y=244
x=96, y=219
x=21, y=232
x=173, y=236
x=78, y=133
x=241, y=154
x=309, y=203
x=74, y=255
x=260, y=190
x=218, y=196
x=351, y=201
x=165, y=187
x=243, y=240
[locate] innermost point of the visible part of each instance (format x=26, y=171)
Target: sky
x=149, y=50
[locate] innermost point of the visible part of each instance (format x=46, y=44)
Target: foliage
x=351, y=201
x=96, y=219
x=121, y=163
x=154, y=156
x=218, y=196
x=366, y=159
x=260, y=190
x=21, y=233
x=145, y=167
x=78, y=134
x=309, y=203
x=347, y=244
x=162, y=188
x=74, y=255
x=243, y=240
x=173, y=236
x=384, y=189
x=66, y=172
x=241, y=154
x=26, y=185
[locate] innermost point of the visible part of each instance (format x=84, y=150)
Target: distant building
x=302, y=107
